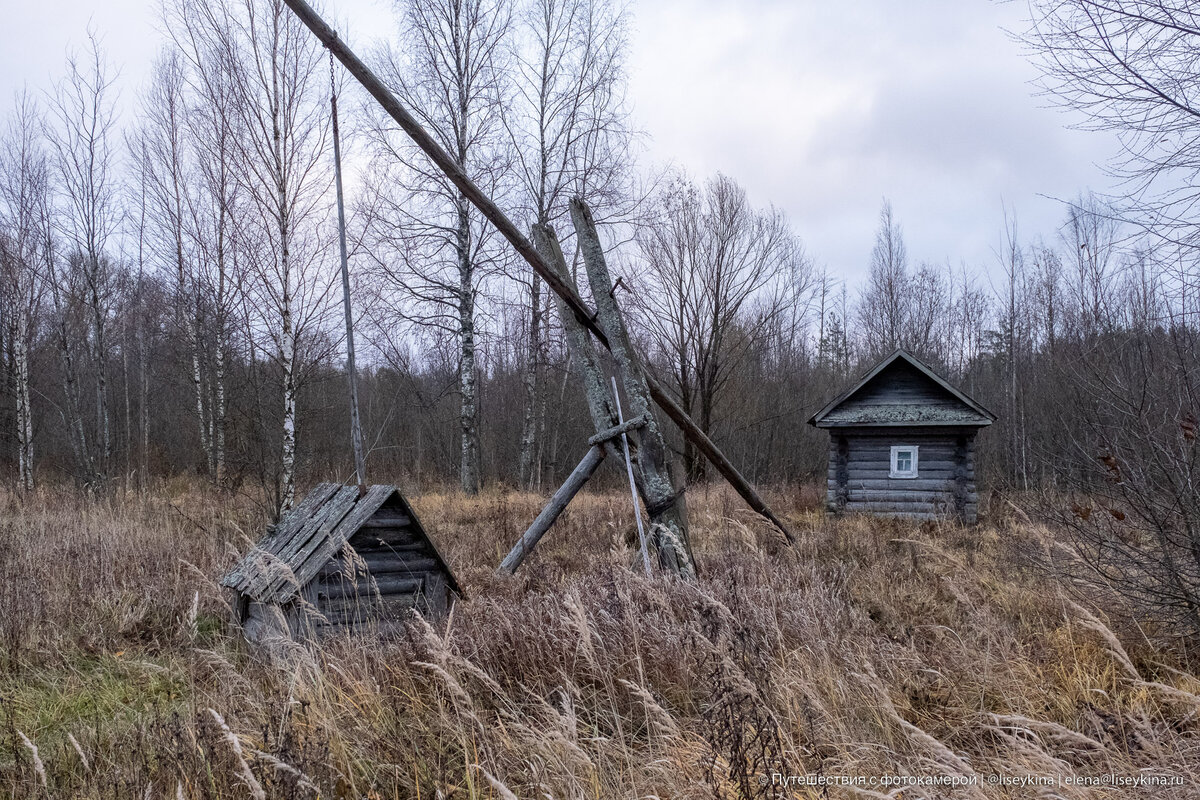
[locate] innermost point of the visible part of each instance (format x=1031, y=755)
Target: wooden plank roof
x=945, y=405
x=305, y=538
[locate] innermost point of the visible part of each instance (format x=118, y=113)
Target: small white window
x=904, y=461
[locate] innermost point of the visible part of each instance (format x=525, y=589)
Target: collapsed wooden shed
x=902, y=443
x=341, y=560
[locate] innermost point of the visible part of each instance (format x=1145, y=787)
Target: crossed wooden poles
x=571, y=486
x=560, y=284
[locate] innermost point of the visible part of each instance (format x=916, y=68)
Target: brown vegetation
x=878, y=648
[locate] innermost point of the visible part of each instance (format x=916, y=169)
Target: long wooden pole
x=356, y=437
x=376, y=88
x=558, y=503
x=637, y=510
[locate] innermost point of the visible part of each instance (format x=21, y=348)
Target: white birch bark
x=24, y=409
x=468, y=427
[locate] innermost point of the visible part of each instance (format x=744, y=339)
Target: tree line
x=171, y=298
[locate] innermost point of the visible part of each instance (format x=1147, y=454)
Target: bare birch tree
x=81, y=132
x=428, y=243
x=24, y=190
x=165, y=167
x=276, y=77
x=568, y=128
x=214, y=130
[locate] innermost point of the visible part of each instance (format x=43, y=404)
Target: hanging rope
x=356, y=437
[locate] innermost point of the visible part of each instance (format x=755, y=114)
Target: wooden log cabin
x=340, y=560
x=902, y=443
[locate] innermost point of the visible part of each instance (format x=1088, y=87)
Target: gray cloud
x=824, y=109
x=820, y=108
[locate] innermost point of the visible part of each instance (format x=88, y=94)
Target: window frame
x=908, y=474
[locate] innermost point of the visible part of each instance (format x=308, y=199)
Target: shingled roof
x=309, y=535
x=902, y=391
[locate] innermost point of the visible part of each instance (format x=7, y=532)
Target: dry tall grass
x=877, y=649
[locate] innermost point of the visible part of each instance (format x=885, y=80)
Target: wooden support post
x=561, y=287
x=637, y=512
x=620, y=430
x=668, y=516
x=356, y=437
x=557, y=504
x=583, y=352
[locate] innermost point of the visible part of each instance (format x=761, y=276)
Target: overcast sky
x=820, y=108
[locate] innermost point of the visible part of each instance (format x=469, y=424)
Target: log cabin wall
x=902, y=407
x=393, y=570
x=860, y=479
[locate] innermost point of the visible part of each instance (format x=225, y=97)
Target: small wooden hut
x=902, y=443
x=340, y=560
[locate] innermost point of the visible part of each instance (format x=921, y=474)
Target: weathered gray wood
x=668, y=522
x=265, y=625
x=925, y=468
x=378, y=521
x=302, y=548
x=618, y=430
x=905, y=484
x=637, y=512
x=583, y=353
x=368, y=538
x=353, y=611
x=897, y=506
x=558, y=503
x=368, y=546
x=383, y=563
x=842, y=445
x=307, y=563
x=859, y=477
x=435, y=599
x=329, y=545
x=242, y=576
x=901, y=391
x=945, y=500
x=368, y=586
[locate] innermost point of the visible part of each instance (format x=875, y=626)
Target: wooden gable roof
x=902, y=391
x=294, y=549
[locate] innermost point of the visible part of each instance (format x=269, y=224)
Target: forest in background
x=171, y=303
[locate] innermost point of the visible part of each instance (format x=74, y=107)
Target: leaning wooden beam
x=556, y=506
x=665, y=506
x=637, y=512
x=625, y=427
x=509, y=231
x=579, y=343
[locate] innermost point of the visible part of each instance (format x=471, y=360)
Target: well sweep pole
x=375, y=87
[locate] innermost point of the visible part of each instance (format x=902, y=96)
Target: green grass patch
x=94, y=691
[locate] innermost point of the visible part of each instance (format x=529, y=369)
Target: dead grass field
x=876, y=649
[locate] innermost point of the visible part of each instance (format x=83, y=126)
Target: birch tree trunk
x=74, y=410
x=468, y=427
x=143, y=399
x=528, y=469
x=24, y=409
x=24, y=220
x=287, y=478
